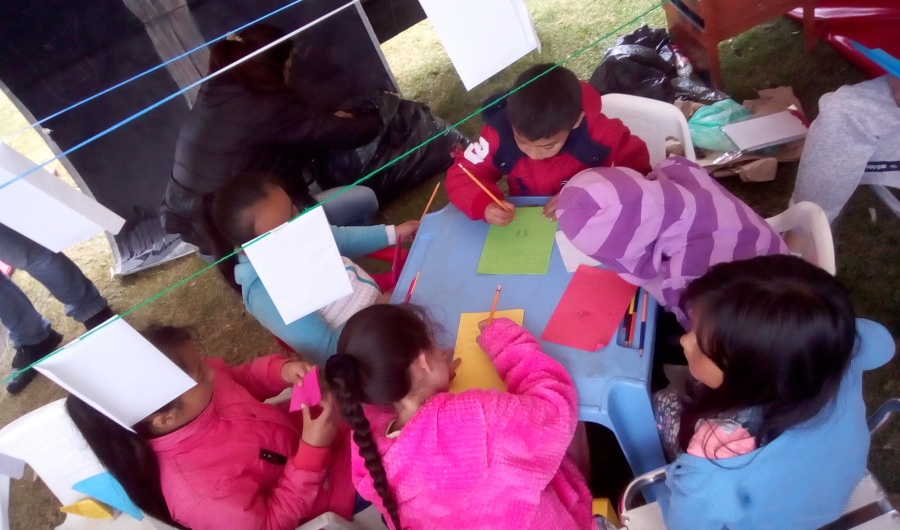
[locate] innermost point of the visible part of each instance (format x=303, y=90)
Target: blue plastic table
x=613, y=383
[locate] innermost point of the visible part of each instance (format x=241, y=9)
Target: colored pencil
x=625, y=323
x=431, y=200
x=643, y=324
x=480, y=185
x=412, y=287
x=494, y=305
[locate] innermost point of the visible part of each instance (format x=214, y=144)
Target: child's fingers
x=304, y=409
x=483, y=324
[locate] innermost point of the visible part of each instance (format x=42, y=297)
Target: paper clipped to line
x=45, y=209
x=482, y=37
x=476, y=369
x=571, y=256
x=590, y=310
x=523, y=246
x=118, y=372
x=774, y=129
x=300, y=266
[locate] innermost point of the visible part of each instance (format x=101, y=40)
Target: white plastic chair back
x=652, y=121
x=805, y=228
x=47, y=440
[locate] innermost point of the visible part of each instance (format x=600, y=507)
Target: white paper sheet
x=482, y=37
x=300, y=266
x=118, y=372
x=571, y=256
x=774, y=129
x=45, y=209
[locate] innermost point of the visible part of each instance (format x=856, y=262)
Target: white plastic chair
x=47, y=440
x=805, y=228
x=652, y=121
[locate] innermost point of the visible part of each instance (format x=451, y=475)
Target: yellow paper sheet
x=89, y=508
x=476, y=369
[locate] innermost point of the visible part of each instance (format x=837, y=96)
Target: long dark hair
x=224, y=213
x=127, y=455
x=783, y=333
x=263, y=71
x=374, y=353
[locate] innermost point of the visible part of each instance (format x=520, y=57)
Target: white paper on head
x=45, y=209
x=300, y=266
x=774, y=129
x=571, y=256
x=482, y=37
x=118, y=372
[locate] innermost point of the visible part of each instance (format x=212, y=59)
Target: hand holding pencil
x=499, y=213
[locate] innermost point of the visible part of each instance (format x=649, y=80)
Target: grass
x=768, y=56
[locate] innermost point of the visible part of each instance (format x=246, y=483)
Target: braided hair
x=374, y=353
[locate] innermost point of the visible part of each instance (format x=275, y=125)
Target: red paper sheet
x=589, y=312
x=308, y=393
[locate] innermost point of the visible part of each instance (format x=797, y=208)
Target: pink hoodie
x=487, y=459
x=213, y=475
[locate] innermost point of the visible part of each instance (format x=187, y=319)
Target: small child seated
x=250, y=205
x=433, y=460
x=774, y=434
x=541, y=135
x=217, y=457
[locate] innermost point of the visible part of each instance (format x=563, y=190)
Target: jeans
x=59, y=275
x=356, y=206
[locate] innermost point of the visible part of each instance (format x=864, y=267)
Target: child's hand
x=496, y=215
x=320, y=431
x=343, y=114
x=293, y=371
x=385, y=297
x=406, y=231
x=550, y=208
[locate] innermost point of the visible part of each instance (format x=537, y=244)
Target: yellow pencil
x=431, y=200
x=480, y=185
x=494, y=305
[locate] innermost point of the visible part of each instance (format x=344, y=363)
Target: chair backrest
x=47, y=440
x=805, y=228
x=652, y=121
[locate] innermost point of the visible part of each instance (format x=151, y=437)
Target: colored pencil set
x=630, y=323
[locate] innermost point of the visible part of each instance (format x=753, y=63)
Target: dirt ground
x=867, y=249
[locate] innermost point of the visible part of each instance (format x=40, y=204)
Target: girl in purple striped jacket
x=663, y=230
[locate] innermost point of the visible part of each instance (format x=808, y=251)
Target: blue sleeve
x=356, y=241
x=309, y=336
x=695, y=500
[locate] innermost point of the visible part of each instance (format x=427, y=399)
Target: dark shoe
x=26, y=355
x=101, y=317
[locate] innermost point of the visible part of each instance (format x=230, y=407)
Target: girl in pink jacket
x=481, y=459
x=217, y=457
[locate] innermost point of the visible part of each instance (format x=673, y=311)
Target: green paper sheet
x=521, y=247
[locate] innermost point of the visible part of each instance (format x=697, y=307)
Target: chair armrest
x=883, y=414
x=639, y=483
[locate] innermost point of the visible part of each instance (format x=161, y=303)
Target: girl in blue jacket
x=772, y=434
x=249, y=205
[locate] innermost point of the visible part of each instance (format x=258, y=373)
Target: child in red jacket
x=540, y=135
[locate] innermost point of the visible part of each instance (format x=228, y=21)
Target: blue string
x=168, y=98
x=142, y=74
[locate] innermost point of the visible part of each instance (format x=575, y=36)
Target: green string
x=372, y=173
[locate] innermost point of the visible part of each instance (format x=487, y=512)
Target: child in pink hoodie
x=217, y=457
x=482, y=459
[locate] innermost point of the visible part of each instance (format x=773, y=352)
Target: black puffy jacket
x=232, y=129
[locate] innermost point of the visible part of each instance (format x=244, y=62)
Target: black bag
x=405, y=125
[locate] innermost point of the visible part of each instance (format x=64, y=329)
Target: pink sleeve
x=262, y=376
x=239, y=503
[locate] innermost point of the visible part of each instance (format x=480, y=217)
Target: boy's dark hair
x=224, y=214
x=374, y=353
x=781, y=330
x=128, y=455
x=547, y=106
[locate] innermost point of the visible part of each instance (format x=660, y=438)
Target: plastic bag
x=641, y=64
x=706, y=124
x=405, y=124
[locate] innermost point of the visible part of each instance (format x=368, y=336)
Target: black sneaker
x=26, y=355
x=102, y=316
